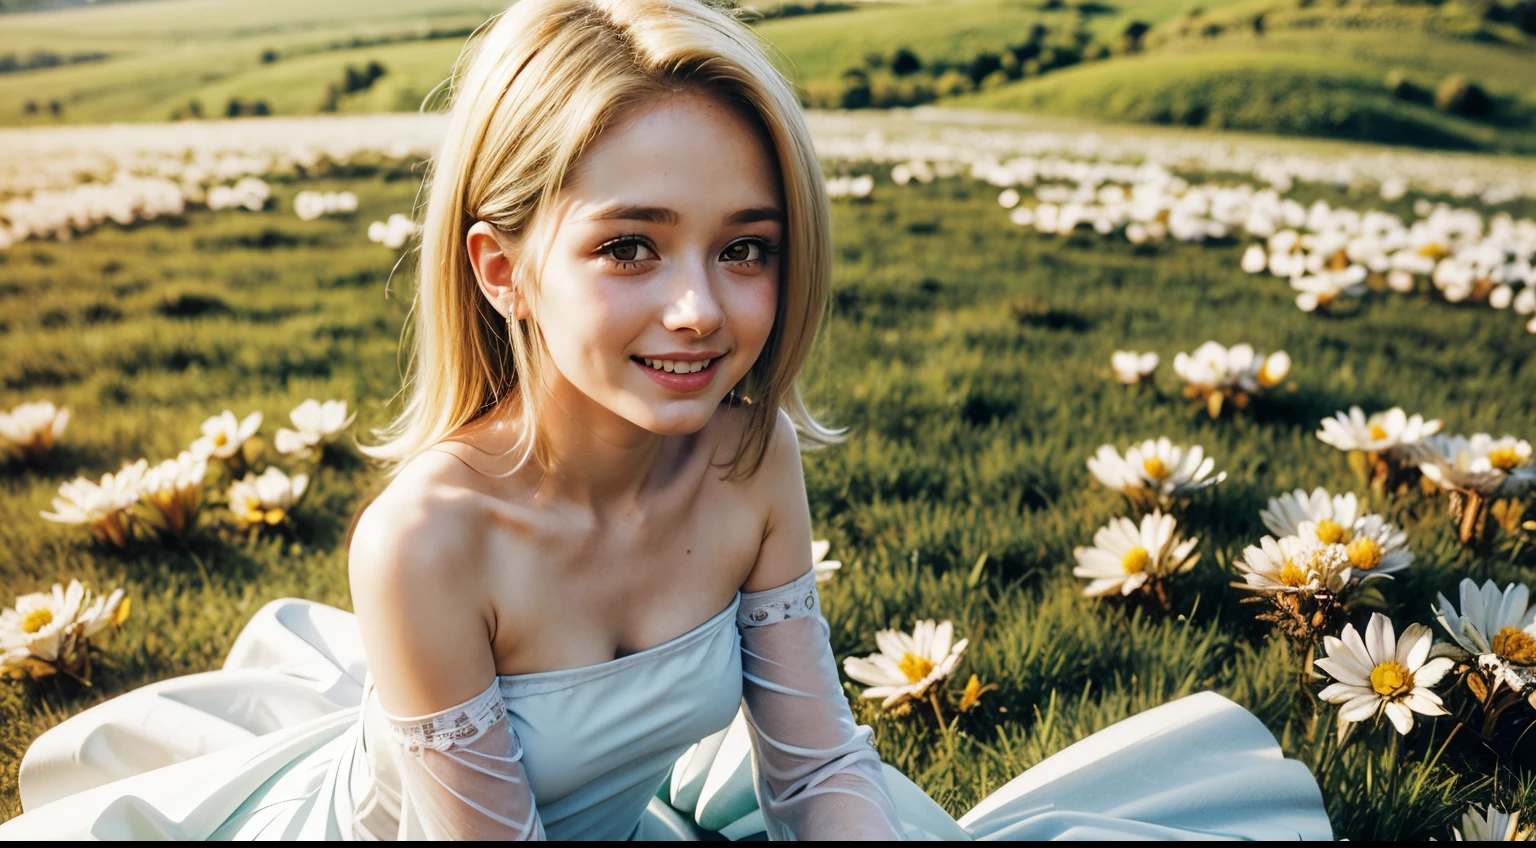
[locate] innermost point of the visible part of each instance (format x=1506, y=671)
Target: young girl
x=584, y=604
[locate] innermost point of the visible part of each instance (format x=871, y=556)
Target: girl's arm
x=459, y=759
x=817, y=773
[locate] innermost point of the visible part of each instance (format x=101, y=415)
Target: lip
x=683, y=356
x=682, y=382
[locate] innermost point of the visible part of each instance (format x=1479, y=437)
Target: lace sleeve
x=816, y=771
x=461, y=774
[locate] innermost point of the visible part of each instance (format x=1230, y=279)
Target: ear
x=493, y=261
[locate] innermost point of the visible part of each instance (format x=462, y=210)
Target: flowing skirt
x=268, y=748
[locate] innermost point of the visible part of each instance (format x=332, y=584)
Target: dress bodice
x=598, y=741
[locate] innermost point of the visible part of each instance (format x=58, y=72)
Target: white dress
x=738, y=727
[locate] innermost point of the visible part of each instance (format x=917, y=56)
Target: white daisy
x=223, y=434
x=1491, y=826
x=43, y=623
x=1490, y=621
x=907, y=665
x=825, y=569
x=1383, y=674
x=105, y=506
x=1482, y=464
x=1290, y=565
x=1392, y=431
x=1374, y=547
x=1131, y=367
x=1124, y=557
x=1333, y=516
x=1155, y=473
x=32, y=428
x=265, y=499
x=173, y=489
x=316, y=423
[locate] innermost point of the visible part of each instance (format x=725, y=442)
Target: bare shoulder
x=414, y=566
x=417, y=528
x=779, y=487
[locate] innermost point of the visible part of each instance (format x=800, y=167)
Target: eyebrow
x=659, y=215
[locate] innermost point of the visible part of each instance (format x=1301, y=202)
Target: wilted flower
x=49, y=632
x=1131, y=367
x=1126, y=557
x=825, y=569
x=316, y=423
x=173, y=490
x=973, y=692
x=1155, y=474
x=105, y=506
x=1491, y=826
x=32, y=428
x=265, y=500
x=1383, y=674
x=223, y=434
x=907, y=665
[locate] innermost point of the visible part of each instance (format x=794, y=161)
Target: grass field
x=970, y=359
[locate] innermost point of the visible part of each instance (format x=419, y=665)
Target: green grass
x=969, y=435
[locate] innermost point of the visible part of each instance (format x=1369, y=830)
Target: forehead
x=689, y=152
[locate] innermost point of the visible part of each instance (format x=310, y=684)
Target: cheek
x=584, y=315
x=754, y=309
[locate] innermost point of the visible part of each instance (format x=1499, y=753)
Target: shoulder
x=415, y=569
x=418, y=529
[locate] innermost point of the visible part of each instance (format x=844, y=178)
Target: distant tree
x=1404, y=88
x=9, y=63
x=983, y=65
x=260, y=108
x=29, y=108
x=1258, y=23
x=373, y=71
x=1458, y=95
x=194, y=108
x=856, y=93
x=951, y=83
x=55, y=108
x=234, y=108
x=874, y=59
x=353, y=80
x=268, y=56
x=1052, y=5
x=1131, y=37
x=1095, y=52
x=905, y=62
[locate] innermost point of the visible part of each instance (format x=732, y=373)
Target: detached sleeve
x=816, y=771
x=461, y=774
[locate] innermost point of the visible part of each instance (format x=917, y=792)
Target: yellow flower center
x=1135, y=560
x=1389, y=679
x=1434, y=250
x=1515, y=645
x=1364, y=553
x=1156, y=468
x=1505, y=458
x=254, y=516
x=1330, y=532
x=220, y=439
x=274, y=515
x=37, y=619
x=1378, y=432
x=1292, y=575
x=1267, y=377
x=915, y=667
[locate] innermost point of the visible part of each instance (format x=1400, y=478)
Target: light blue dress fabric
x=285, y=742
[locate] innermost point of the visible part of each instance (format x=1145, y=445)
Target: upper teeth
x=678, y=367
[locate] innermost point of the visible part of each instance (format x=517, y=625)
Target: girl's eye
x=626, y=251
x=742, y=251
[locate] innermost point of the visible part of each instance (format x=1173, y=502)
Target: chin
x=678, y=418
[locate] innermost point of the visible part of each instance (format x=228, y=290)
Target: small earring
x=509, y=321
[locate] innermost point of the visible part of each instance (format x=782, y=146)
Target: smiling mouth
x=675, y=366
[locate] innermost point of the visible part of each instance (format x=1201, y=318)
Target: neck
x=597, y=458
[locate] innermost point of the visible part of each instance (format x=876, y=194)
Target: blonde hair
x=531, y=91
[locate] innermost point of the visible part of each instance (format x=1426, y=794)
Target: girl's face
x=662, y=277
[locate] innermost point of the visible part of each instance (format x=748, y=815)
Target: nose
x=695, y=308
